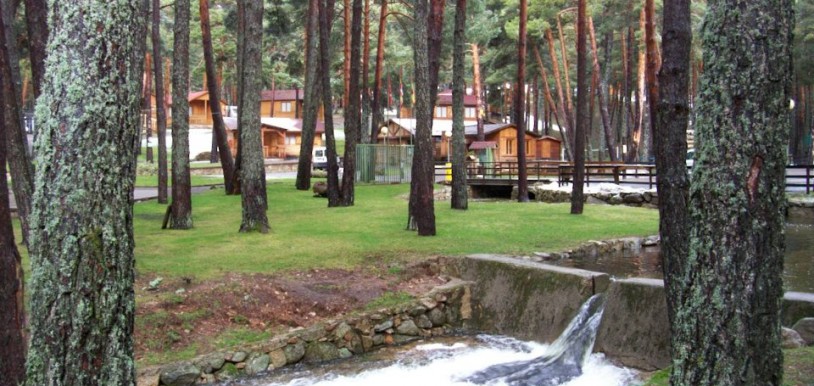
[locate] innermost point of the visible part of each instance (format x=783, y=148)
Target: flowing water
x=472, y=360
x=798, y=272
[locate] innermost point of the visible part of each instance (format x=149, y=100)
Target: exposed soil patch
x=183, y=315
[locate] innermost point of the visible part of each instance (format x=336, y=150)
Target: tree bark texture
x=181, y=206
x=37, y=27
x=12, y=319
x=459, y=198
x=226, y=161
x=727, y=327
x=325, y=17
x=146, y=108
x=519, y=114
x=346, y=10
x=564, y=112
x=82, y=298
x=577, y=196
x=16, y=143
x=670, y=140
x=478, y=90
x=160, y=112
x=435, y=40
x=353, y=118
x=252, y=168
x=422, y=204
x=366, y=124
x=310, y=99
x=378, y=118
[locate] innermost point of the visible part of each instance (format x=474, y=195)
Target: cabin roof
x=282, y=95
x=283, y=124
x=445, y=99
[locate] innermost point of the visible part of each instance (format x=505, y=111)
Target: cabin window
x=470, y=112
x=510, y=146
x=291, y=140
x=529, y=148
x=441, y=112
x=285, y=107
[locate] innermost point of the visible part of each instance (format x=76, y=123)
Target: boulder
x=791, y=339
x=320, y=189
x=239, y=356
x=294, y=352
x=408, y=327
x=384, y=326
x=423, y=321
x=210, y=363
x=616, y=200
x=633, y=198
x=278, y=358
x=257, y=364
x=182, y=374
x=437, y=317
x=805, y=327
x=320, y=352
x=595, y=201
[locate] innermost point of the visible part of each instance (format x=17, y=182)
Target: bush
x=204, y=156
x=147, y=169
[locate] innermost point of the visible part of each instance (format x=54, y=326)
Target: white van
x=320, y=158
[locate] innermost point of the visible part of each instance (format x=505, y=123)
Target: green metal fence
x=384, y=164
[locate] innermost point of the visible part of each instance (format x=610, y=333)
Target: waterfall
x=564, y=359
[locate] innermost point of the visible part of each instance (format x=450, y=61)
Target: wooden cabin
x=281, y=137
x=549, y=148
x=285, y=104
x=443, y=107
x=504, y=135
x=199, y=112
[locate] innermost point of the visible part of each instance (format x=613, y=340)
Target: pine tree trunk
x=16, y=143
x=422, y=205
x=365, y=131
x=670, y=140
x=378, y=119
x=326, y=13
x=353, y=118
x=181, y=206
x=311, y=98
x=37, y=27
x=478, y=90
x=519, y=115
x=218, y=128
x=82, y=298
x=601, y=95
x=160, y=113
x=147, y=106
x=459, y=198
x=577, y=196
x=727, y=325
x=12, y=319
x=435, y=39
x=565, y=114
x=252, y=167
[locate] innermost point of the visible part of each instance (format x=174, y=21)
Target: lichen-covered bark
x=378, y=118
x=310, y=99
x=20, y=166
x=727, y=326
x=181, y=206
x=12, y=318
x=459, y=196
x=252, y=168
x=160, y=113
x=82, y=300
x=422, y=205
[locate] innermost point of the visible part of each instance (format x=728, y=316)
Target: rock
x=153, y=285
x=257, y=364
x=206, y=379
x=367, y=343
x=183, y=374
x=386, y=325
x=616, y=199
x=633, y=198
x=320, y=189
x=402, y=339
x=238, y=356
x=650, y=241
x=428, y=303
x=648, y=196
x=791, y=339
x=342, y=330
x=595, y=201
x=805, y=327
x=345, y=353
x=228, y=371
x=418, y=310
x=408, y=327
x=320, y=352
x=313, y=333
x=210, y=363
x=148, y=380
x=423, y=321
x=294, y=352
x=378, y=339
x=278, y=359
x=437, y=317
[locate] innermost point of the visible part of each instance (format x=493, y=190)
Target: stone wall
x=440, y=312
x=271, y=167
x=647, y=198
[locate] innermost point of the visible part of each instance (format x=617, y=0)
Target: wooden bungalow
x=199, y=113
x=443, y=107
x=504, y=135
x=549, y=148
x=281, y=137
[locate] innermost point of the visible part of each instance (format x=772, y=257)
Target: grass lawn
x=152, y=181
x=306, y=234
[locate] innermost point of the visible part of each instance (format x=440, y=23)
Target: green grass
x=240, y=336
x=389, y=299
x=306, y=234
x=152, y=181
x=798, y=369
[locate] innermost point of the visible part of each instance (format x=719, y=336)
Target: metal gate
x=384, y=164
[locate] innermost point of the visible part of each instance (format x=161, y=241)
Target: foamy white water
x=441, y=364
